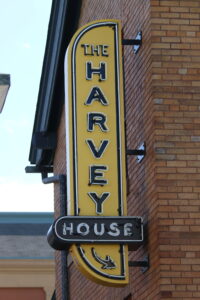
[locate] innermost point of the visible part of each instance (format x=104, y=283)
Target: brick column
x=176, y=93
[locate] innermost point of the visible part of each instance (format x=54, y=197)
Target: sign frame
x=94, y=89
x=77, y=238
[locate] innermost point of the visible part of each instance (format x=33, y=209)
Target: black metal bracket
x=140, y=152
x=144, y=264
x=136, y=43
x=39, y=169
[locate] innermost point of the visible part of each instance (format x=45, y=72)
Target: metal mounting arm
x=140, y=152
x=136, y=43
x=144, y=264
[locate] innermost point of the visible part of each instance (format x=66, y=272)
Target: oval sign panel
x=96, y=175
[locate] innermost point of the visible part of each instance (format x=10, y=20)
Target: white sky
x=23, y=31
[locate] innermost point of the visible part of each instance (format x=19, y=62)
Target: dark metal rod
x=132, y=42
x=39, y=169
x=52, y=179
x=136, y=152
x=138, y=263
x=61, y=179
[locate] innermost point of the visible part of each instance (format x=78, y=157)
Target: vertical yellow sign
x=96, y=175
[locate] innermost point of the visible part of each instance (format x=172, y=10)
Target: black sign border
x=99, y=240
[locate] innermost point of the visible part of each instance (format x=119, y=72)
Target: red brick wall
x=162, y=91
x=22, y=294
